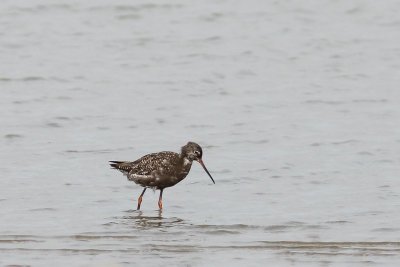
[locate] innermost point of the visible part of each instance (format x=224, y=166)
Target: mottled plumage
x=156, y=170
x=161, y=170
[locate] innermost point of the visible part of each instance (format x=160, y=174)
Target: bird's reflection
x=150, y=219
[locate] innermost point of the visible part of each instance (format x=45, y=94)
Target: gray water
x=296, y=105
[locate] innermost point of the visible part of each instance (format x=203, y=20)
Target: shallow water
x=294, y=103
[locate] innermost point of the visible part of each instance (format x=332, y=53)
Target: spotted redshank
x=161, y=170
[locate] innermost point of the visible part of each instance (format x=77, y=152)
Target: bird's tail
x=122, y=166
x=115, y=164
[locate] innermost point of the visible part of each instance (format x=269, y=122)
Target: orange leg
x=160, y=199
x=140, y=199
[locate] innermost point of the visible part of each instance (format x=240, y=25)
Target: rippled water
x=295, y=104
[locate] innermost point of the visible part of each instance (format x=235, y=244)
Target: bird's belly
x=165, y=178
x=163, y=181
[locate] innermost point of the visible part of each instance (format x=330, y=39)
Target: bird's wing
x=146, y=170
x=151, y=163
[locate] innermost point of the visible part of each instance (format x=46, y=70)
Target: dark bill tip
x=204, y=167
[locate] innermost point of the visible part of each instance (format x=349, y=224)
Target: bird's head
x=193, y=151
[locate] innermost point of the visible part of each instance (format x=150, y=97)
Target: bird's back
x=162, y=169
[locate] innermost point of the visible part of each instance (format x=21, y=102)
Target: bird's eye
x=197, y=153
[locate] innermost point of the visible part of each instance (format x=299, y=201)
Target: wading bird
x=161, y=170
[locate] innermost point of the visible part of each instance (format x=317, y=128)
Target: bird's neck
x=186, y=164
x=185, y=161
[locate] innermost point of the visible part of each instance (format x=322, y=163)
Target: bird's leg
x=140, y=199
x=160, y=199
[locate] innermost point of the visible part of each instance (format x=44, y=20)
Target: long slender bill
x=204, y=167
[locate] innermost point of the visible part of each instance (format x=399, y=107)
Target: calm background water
x=296, y=104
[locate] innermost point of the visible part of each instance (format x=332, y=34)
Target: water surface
x=294, y=103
